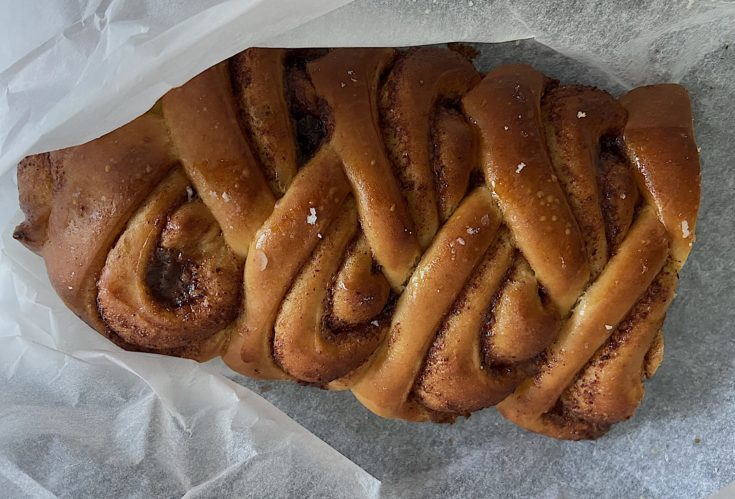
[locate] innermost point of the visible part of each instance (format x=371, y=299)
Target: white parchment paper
x=79, y=417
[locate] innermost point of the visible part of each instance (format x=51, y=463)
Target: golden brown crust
x=259, y=81
x=385, y=385
x=204, y=130
x=96, y=189
x=505, y=107
x=159, y=287
x=599, y=311
x=306, y=344
x=660, y=142
x=359, y=290
x=36, y=202
x=457, y=377
x=389, y=223
x=576, y=118
x=455, y=150
x=418, y=81
x=610, y=387
x=348, y=82
x=279, y=249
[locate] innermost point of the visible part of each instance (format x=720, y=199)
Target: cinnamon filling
x=308, y=114
x=172, y=279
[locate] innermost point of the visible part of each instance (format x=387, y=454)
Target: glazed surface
x=391, y=222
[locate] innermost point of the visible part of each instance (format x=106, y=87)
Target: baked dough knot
x=388, y=222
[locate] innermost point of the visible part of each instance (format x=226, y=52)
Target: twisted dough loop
x=386, y=222
x=184, y=289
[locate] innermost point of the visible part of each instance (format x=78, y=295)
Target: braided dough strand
x=505, y=106
x=348, y=81
x=385, y=385
x=280, y=247
x=161, y=288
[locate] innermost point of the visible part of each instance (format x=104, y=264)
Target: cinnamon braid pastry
x=390, y=222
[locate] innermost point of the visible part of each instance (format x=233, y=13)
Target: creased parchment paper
x=79, y=417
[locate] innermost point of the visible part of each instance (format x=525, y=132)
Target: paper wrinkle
x=111, y=65
x=79, y=416
x=115, y=412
